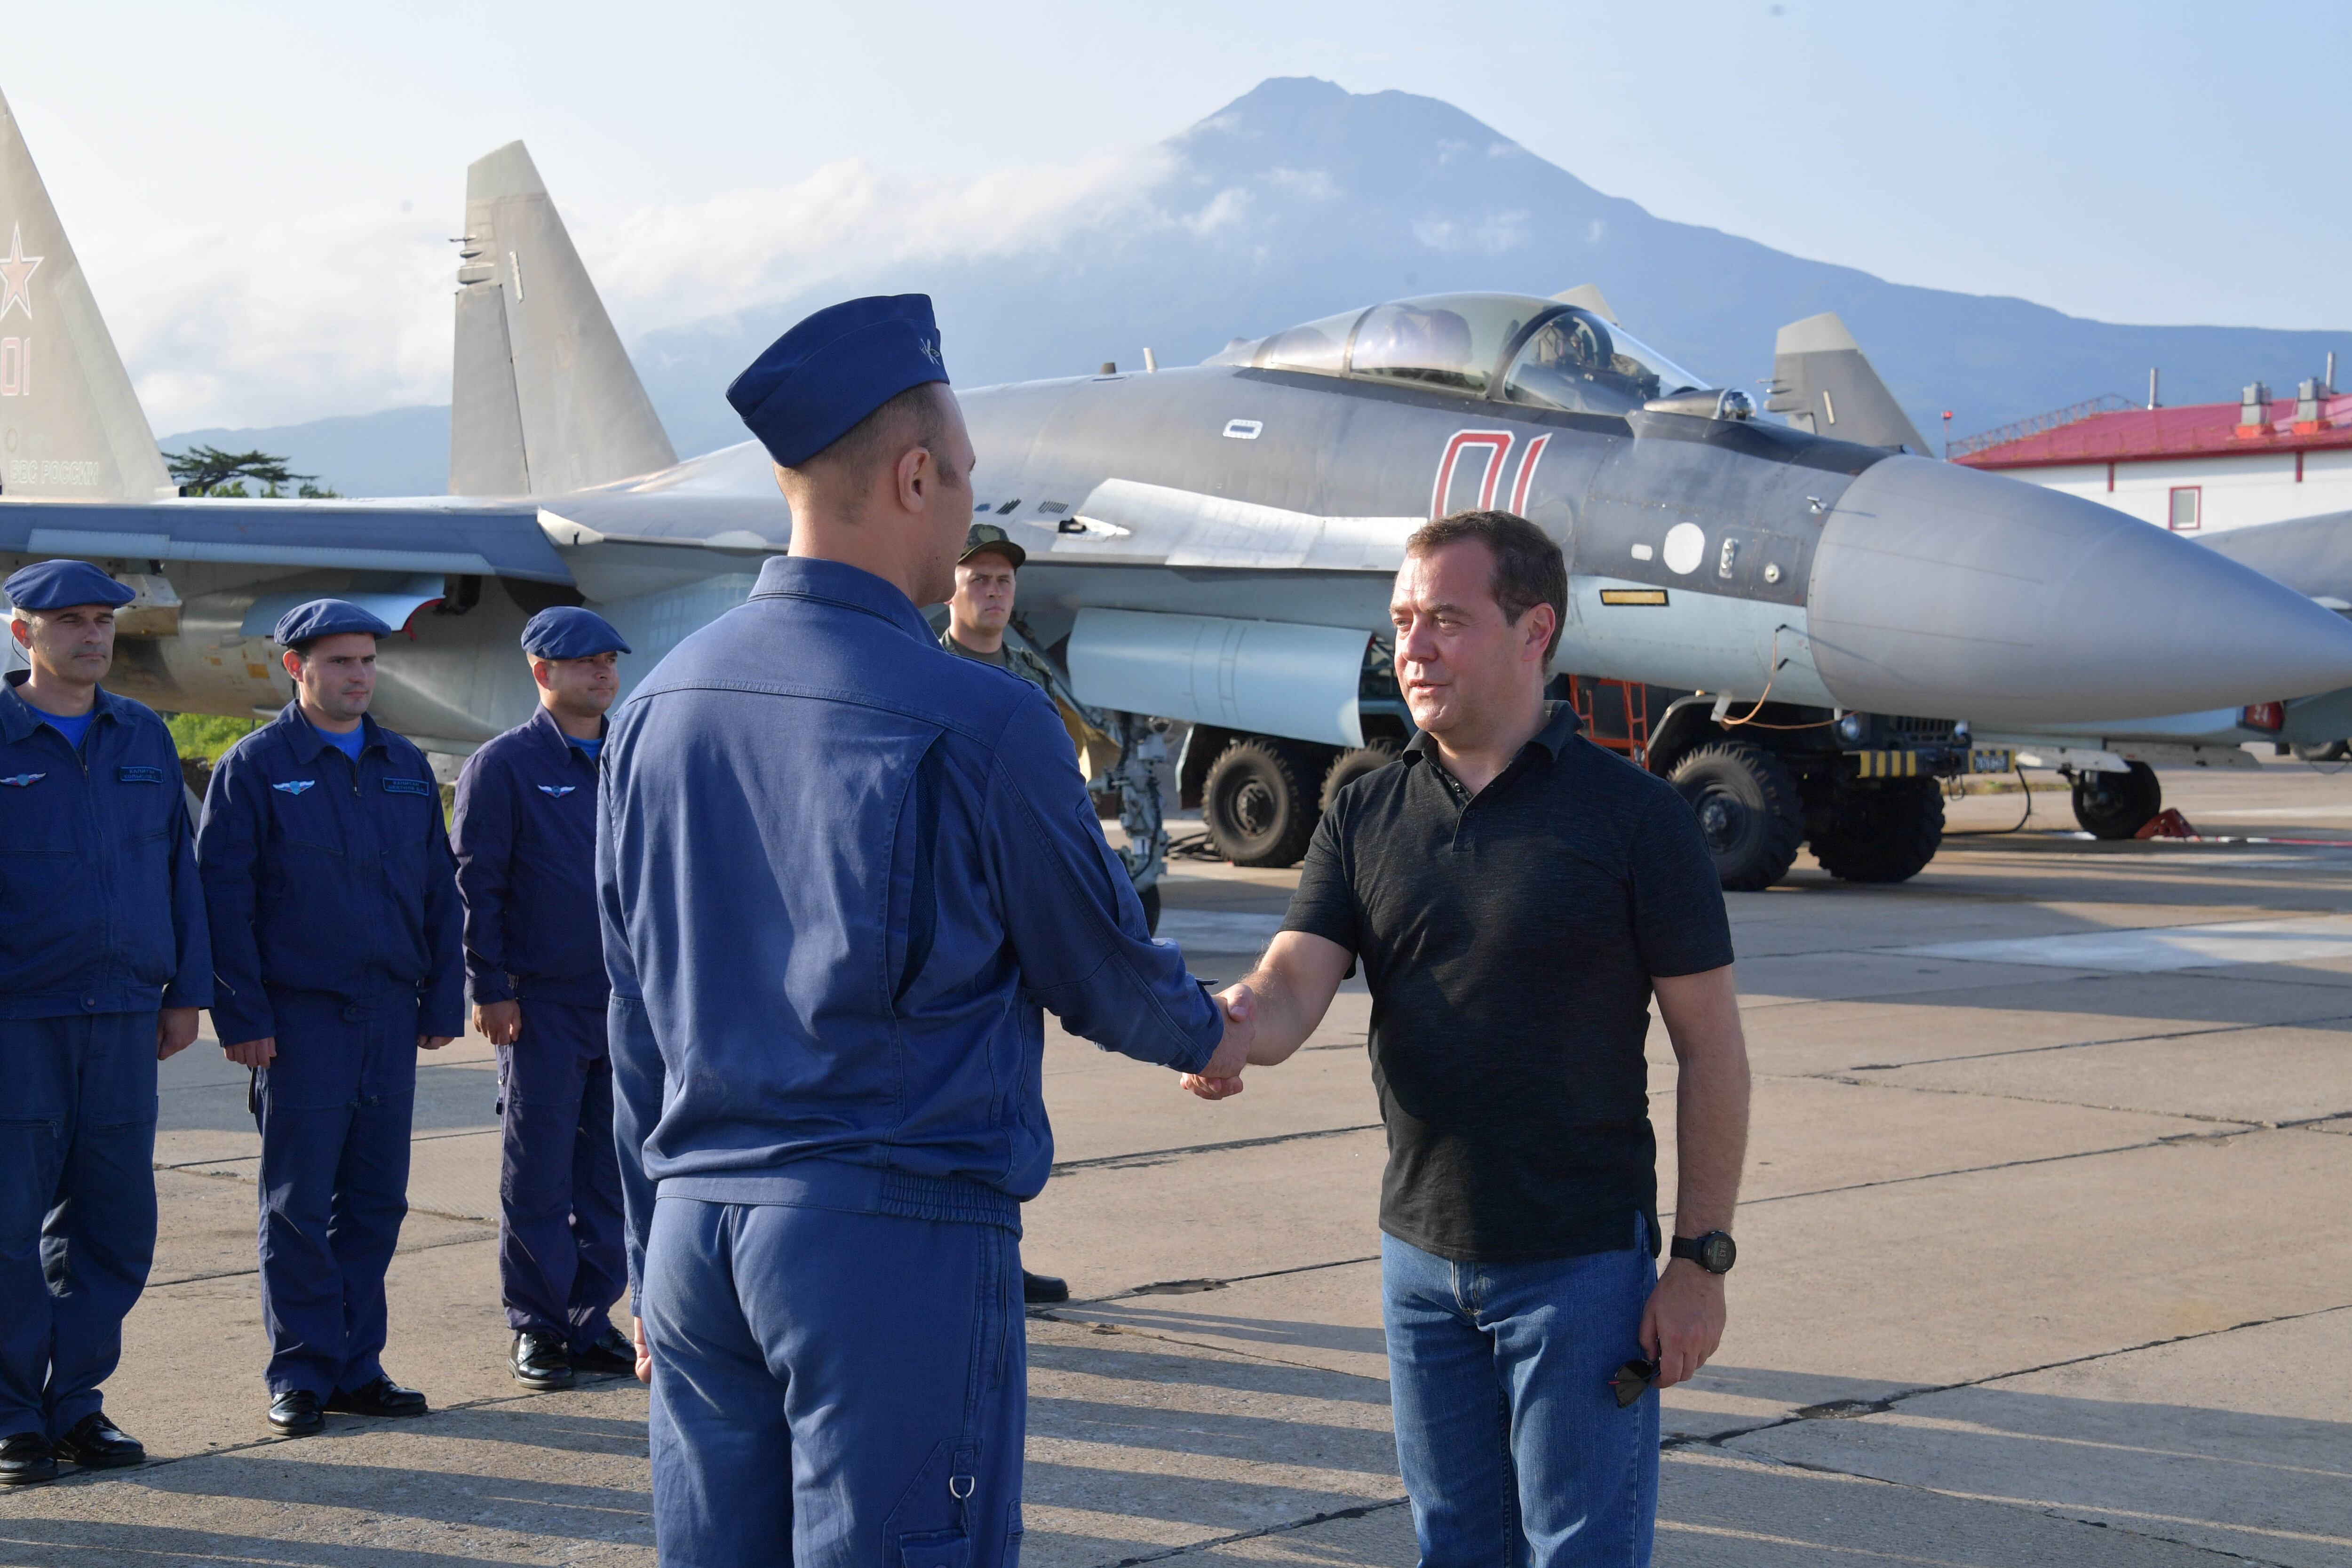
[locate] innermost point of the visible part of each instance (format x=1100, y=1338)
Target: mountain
x=1301, y=199
x=397, y=452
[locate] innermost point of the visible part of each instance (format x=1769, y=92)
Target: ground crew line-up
x=336, y=959
x=103, y=970
x=765, y=959
x=524, y=828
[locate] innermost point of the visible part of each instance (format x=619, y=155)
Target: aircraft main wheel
x=1748, y=807
x=2117, y=806
x=1350, y=766
x=1883, y=833
x=2326, y=751
x=1151, y=897
x=1256, y=806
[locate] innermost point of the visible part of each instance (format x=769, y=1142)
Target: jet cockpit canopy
x=1511, y=348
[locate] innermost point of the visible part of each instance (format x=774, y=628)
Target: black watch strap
x=1713, y=1252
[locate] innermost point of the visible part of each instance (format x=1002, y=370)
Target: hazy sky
x=260, y=192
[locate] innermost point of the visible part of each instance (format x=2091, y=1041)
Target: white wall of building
x=2232, y=491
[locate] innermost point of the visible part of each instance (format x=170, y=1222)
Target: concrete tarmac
x=2045, y=1259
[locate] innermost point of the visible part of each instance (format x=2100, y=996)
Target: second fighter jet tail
x=1823, y=383
x=543, y=397
x=70, y=426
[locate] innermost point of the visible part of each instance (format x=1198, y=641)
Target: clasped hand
x=1222, y=1076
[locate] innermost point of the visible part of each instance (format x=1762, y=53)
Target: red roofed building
x=2207, y=466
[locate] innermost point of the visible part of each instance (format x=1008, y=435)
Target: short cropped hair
x=1529, y=570
x=912, y=418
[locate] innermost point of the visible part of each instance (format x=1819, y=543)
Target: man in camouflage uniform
x=985, y=574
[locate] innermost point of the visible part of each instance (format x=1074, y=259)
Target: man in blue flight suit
x=525, y=833
x=103, y=967
x=839, y=870
x=336, y=958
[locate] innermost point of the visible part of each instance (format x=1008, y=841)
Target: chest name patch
x=406, y=787
x=136, y=775
x=18, y=781
x=557, y=790
x=295, y=786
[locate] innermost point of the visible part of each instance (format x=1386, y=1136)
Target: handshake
x=1222, y=1076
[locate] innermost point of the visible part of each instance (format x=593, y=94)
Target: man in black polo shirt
x=1516, y=895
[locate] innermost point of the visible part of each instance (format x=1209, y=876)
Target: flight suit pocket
x=934, y=1549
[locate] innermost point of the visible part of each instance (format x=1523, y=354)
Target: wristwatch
x=1713, y=1252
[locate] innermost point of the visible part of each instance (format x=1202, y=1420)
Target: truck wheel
x=2117, y=806
x=1256, y=806
x=2325, y=751
x=1748, y=807
x=1883, y=833
x=1350, y=766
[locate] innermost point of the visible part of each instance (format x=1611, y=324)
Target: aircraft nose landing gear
x=2117, y=806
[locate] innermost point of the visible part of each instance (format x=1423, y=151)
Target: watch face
x=1715, y=1252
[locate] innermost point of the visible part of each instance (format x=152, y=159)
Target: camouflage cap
x=988, y=536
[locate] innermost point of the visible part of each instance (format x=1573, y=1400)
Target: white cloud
x=349, y=311
x=1493, y=234
x=285, y=320
x=663, y=266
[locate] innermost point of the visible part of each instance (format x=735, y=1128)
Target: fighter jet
x=1822, y=380
x=1211, y=545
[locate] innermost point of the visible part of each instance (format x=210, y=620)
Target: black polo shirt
x=1508, y=940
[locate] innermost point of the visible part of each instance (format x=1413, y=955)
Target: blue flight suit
x=101, y=924
x=336, y=929
x=524, y=829
x=839, y=871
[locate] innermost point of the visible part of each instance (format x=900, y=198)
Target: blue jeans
x=1514, y=1451
x=77, y=1207
x=834, y=1390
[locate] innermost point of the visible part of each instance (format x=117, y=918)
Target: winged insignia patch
x=294, y=786
x=557, y=789
x=18, y=781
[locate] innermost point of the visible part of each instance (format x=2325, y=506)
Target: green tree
x=207, y=735
x=204, y=470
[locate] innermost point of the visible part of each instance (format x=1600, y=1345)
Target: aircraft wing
x=491, y=538
x=2312, y=555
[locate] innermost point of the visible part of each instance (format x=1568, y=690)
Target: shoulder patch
x=134, y=774
x=557, y=790
x=18, y=781
x=407, y=787
x=294, y=786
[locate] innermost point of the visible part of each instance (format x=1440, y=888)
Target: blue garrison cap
x=324, y=618
x=54, y=584
x=817, y=381
x=567, y=631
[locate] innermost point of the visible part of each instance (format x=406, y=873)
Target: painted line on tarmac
x=487, y=1234
x=1154, y=1156
x=1358, y=1511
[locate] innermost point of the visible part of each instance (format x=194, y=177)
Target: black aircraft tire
x=1350, y=766
x=1885, y=832
x=1256, y=804
x=1151, y=897
x=2117, y=806
x=1748, y=807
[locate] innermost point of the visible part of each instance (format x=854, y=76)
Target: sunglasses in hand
x=1634, y=1379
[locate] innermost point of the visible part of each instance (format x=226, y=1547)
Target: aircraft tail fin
x=70, y=426
x=1823, y=383
x=543, y=397
x=1589, y=296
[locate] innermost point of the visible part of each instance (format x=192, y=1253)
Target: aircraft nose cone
x=1941, y=591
